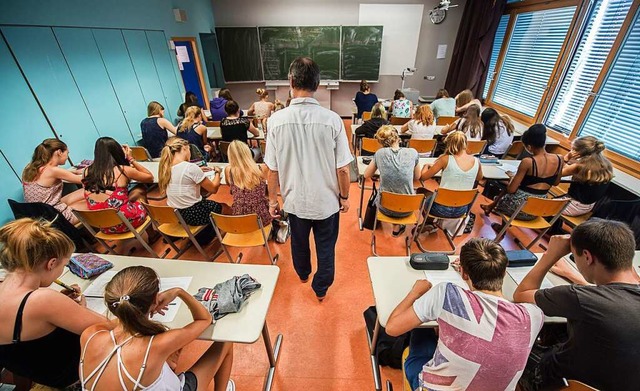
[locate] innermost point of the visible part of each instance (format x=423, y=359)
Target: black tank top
x=51, y=360
x=534, y=179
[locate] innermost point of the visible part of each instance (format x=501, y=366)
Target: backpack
x=389, y=349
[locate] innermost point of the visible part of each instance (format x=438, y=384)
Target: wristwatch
x=343, y=198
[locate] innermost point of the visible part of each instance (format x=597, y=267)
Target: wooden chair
x=574, y=385
x=399, y=120
x=515, y=151
x=263, y=147
x=369, y=144
x=140, y=154
x=224, y=148
x=574, y=221
x=212, y=124
x=422, y=146
x=539, y=207
x=560, y=190
x=450, y=198
x=170, y=224
x=446, y=120
x=106, y=218
x=475, y=147
x=242, y=231
x=366, y=116
x=401, y=203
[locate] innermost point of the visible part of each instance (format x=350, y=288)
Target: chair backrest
x=422, y=146
x=196, y=154
x=475, y=147
x=236, y=224
x=140, y=154
x=161, y=214
x=263, y=147
x=366, y=115
x=575, y=385
x=514, y=151
x=369, y=144
x=401, y=202
x=445, y=120
x=212, y=124
x=224, y=149
x=544, y=207
x=103, y=218
x=399, y=120
x=455, y=198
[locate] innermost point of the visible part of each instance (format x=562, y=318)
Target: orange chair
x=263, y=147
x=140, y=154
x=574, y=221
x=574, y=385
x=539, y=207
x=514, y=151
x=242, y=231
x=446, y=120
x=366, y=115
x=369, y=144
x=399, y=120
x=401, y=203
x=212, y=124
x=450, y=198
x=106, y=218
x=422, y=146
x=476, y=147
x=224, y=149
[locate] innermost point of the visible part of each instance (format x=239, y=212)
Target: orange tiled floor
x=324, y=345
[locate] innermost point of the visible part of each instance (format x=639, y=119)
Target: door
x=190, y=69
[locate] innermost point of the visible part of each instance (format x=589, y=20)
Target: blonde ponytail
x=41, y=156
x=171, y=147
x=190, y=116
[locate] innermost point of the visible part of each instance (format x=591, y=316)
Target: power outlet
x=430, y=78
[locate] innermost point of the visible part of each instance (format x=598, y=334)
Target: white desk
x=215, y=134
x=391, y=280
x=154, y=167
x=245, y=326
x=626, y=181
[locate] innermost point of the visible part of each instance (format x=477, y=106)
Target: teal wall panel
x=165, y=61
x=24, y=125
x=39, y=55
x=122, y=75
x=11, y=188
x=88, y=69
x=145, y=68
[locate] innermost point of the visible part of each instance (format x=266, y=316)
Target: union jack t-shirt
x=484, y=341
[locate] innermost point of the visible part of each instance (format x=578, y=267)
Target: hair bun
x=599, y=147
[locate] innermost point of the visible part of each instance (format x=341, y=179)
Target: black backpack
x=389, y=348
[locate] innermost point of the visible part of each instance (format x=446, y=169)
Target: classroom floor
x=324, y=344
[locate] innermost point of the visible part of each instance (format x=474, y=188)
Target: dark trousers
x=422, y=347
x=325, y=233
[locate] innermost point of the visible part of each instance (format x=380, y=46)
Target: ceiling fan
x=439, y=12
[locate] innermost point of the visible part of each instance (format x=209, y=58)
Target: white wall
x=237, y=13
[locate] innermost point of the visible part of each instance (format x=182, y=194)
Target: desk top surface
x=215, y=133
x=244, y=326
x=155, y=166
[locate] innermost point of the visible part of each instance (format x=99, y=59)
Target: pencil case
x=520, y=258
x=429, y=261
x=88, y=265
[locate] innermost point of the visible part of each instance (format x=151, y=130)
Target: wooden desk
x=215, y=134
x=245, y=326
x=154, y=167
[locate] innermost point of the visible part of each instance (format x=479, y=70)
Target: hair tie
x=122, y=300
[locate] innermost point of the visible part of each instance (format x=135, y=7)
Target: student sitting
x=247, y=183
x=261, y=109
x=235, y=127
x=106, y=183
x=422, y=126
x=603, y=349
x=182, y=181
x=470, y=124
x=39, y=327
x=400, y=107
x=154, y=129
x=460, y=171
x=190, y=100
x=192, y=130
x=398, y=169
x=591, y=172
x=536, y=175
x=371, y=126
x=464, y=100
x=218, y=113
x=443, y=106
x=133, y=352
x=365, y=100
x=483, y=341
x=42, y=178
x=498, y=131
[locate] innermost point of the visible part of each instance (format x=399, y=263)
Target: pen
x=65, y=286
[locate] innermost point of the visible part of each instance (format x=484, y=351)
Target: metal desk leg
x=373, y=342
x=361, y=179
x=272, y=352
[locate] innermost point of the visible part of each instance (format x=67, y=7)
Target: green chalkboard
x=281, y=45
x=240, y=53
x=361, y=47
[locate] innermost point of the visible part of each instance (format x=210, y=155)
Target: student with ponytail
x=261, y=109
x=42, y=178
x=193, y=130
x=591, y=174
x=39, y=327
x=183, y=181
x=133, y=352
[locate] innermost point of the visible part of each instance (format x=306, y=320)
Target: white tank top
x=453, y=178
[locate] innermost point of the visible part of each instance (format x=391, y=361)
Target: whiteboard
x=400, y=35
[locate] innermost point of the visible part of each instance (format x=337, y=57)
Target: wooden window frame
x=196, y=54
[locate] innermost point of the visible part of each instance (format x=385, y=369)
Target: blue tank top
x=153, y=136
x=193, y=137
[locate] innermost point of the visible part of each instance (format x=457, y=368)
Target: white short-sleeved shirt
x=306, y=145
x=503, y=140
x=484, y=340
x=184, y=188
x=420, y=131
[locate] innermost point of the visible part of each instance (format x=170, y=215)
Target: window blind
x=531, y=55
x=603, y=25
x=495, y=52
x=613, y=116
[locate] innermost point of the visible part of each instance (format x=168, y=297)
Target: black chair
x=39, y=210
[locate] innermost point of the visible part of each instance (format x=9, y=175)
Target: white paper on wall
x=182, y=53
x=442, y=52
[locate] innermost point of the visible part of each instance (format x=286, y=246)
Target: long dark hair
x=107, y=154
x=190, y=99
x=491, y=120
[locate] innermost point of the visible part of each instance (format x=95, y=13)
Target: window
x=531, y=55
x=603, y=25
x=495, y=52
x=613, y=116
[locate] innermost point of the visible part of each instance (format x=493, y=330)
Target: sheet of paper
x=98, y=305
x=438, y=276
x=518, y=274
x=508, y=167
x=442, y=52
x=182, y=53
